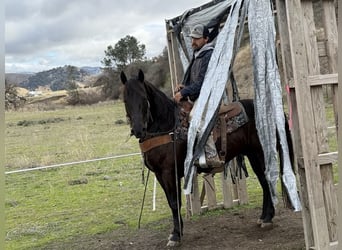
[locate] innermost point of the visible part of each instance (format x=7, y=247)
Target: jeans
x=209, y=148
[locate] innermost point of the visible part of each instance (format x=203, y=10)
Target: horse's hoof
x=259, y=222
x=172, y=243
x=266, y=225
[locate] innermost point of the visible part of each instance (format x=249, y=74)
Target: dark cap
x=199, y=31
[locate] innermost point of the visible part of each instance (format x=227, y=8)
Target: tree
x=128, y=50
x=73, y=95
x=12, y=98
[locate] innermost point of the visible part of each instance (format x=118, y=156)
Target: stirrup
x=202, y=161
x=214, y=162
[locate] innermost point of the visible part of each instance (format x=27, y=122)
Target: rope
x=177, y=189
x=143, y=200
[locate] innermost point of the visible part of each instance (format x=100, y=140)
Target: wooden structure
x=302, y=57
x=232, y=193
x=302, y=53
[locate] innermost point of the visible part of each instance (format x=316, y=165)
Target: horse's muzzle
x=139, y=133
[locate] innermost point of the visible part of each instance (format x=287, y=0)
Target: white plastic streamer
x=269, y=111
x=212, y=89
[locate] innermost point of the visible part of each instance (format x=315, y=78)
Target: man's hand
x=178, y=87
x=178, y=96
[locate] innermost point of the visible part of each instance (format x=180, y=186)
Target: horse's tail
x=285, y=195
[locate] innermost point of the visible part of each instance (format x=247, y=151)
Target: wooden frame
x=301, y=59
x=301, y=52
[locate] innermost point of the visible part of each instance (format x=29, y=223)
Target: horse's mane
x=162, y=106
x=157, y=94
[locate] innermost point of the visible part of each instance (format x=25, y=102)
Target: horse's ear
x=141, y=76
x=123, y=77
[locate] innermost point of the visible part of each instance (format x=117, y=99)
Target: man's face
x=198, y=43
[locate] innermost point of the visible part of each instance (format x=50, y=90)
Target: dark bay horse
x=153, y=116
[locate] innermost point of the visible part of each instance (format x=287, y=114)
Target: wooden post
x=297, y=27
x=210, y=190
x=176, y=68
x=320, y=120
x=194, y=198
x=331, y=35
x=227, y=189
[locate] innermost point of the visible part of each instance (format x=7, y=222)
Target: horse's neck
x=162, y=110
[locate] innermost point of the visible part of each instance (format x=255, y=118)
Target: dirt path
x=229, y=230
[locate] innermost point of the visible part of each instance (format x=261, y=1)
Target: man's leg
x=211, y=156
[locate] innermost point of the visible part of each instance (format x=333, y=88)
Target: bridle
x=146, y=122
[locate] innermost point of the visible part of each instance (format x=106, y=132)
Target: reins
x=143, y=200
x=176, y=114
x=169, y=136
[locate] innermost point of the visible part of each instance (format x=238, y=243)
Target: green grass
x=65, y=135
x=44, y=207
x=41, y=205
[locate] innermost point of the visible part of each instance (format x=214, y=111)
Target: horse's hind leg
x=257, y=163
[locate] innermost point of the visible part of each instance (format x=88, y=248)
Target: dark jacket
x=194, y=75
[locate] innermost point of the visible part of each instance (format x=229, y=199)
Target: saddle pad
x=234, y=115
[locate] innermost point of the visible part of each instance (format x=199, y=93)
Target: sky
x=44, y=34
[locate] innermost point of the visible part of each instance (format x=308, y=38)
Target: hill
x=17, y=78
x=56, y=79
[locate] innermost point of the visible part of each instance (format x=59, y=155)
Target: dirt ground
x=229, y=230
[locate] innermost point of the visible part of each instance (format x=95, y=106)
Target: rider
x=193, y=80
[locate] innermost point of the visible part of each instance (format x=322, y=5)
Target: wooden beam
x=331, y=37
x=327, y=158
x=322, y=50
x=330, y=199
x=306, y=120
x=292, y=103
x=284, y=42
x=210, y=190
x=227, y=190
x=176, y=68
x=194, y=198
x=315, y=80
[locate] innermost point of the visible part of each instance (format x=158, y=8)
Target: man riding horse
x=193, y=80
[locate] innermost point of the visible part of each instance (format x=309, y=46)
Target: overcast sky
x=43, y=34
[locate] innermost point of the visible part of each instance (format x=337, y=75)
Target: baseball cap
x=199, y=31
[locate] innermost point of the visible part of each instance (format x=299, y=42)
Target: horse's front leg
x=173, y=195
x=175, y=205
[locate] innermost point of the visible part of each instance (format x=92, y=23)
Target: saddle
x=230, y=118
x=233, y=115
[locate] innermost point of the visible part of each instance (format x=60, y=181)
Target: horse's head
x=137, y=104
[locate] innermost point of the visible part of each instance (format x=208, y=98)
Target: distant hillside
x=56, y=78
x=92, y=70
x=16, y=79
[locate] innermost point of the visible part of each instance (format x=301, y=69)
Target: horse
x=153, y=118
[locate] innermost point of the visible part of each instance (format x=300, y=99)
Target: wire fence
x=71, y=163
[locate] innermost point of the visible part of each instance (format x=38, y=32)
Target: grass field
x=84, y=199
x=60, y=204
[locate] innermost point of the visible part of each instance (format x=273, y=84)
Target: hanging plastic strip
x=269, y=111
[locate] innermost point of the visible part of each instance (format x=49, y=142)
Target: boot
x=212, y=159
